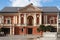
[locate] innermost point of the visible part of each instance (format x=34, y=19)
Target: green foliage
x=48, y=28
x=45, y=28
x=41, y=28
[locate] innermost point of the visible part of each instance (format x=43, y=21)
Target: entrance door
x=6, y=30
x=16, y=31
x=29, y=30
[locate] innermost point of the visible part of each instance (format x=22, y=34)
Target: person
x=41, y=33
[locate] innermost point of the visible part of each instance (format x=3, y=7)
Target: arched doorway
x=29, y=20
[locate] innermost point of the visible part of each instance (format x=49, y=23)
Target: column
x=10, y=30
x=13, y=30
x=58, y=22
x=14, y=19
x=46, y=19
x=25, y=19
x=2, y=21
x=40, y=18
x=34, y=19
x=19, y=19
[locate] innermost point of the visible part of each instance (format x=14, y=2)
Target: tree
x=41, y=28
x=49, y=28
x=46, y=28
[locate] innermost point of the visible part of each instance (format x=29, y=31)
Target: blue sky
x=21, y=3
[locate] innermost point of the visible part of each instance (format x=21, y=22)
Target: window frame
x=7, y=20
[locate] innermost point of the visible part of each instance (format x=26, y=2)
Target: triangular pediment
x=30, y=8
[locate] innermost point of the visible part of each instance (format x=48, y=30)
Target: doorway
x=6, y=30
x=30, y=30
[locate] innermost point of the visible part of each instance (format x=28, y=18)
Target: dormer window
x=8, y=20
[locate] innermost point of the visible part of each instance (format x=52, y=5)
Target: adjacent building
x=26, y=20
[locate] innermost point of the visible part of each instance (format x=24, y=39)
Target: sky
x=22, y=3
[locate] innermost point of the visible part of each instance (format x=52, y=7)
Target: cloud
x=21, y=3
x=47, y=0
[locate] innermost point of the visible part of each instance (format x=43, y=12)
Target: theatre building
x=26, y=20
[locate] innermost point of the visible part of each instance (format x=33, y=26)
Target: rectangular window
x=52, y=22
x=22, y=20
x=8, y=21
x=37, y=20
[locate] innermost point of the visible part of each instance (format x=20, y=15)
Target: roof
x=15, y=9
x=11, y=9
x=49, y=9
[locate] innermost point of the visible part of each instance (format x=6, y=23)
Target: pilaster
x=40, y=19
x=19, y=19
x=25, y=19
x=34, y=19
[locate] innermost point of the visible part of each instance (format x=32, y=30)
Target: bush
x=50, y=28
x=41, y=28
x=46, y=28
